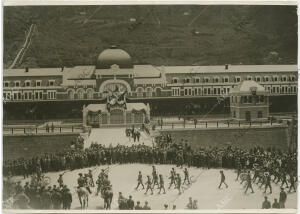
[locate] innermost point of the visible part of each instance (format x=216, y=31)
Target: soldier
x=283, y=179
x=178, y=183
x=172, y=178
x=46, y=199
x=87, y=183
x=186, y=176
x=161, y=184
x=249, y=185
x=149, y=185
x=190, y=204
x=90, y=175
x=155, y=180
x=292, y=185
x=195, y=204
x=67, y=198
x=60, y=181
x=130, y=203
x=56, y=199
x=222, y=179
x=275, y=205
x=21, y=200
x=146, y=206
x=80, y=180
x=140, y=180
x=268, y=183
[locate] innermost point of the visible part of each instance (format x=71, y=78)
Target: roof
x=79, y=72
x=130, y=107
x=112, y=56
x=247, y=86
x=32, y=72
x=231, y=68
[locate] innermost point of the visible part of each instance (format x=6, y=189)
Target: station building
x=34, y=93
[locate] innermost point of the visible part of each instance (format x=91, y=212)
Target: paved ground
x=204, y=188
x=114, y=136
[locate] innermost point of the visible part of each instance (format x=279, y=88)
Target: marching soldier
x=172, y=178
x=178, y=183
x=292, y=185
x=186, y=176
x=249, y=185
x=60, y=181
x=90, y=175
x=87, y=183
x=222, y=179
x=149, y=185
x=268, y=183
x=140, y=180
x=283, y=179
x=161, y=184
x=155, y=180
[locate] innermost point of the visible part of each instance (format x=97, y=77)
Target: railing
x=41, y=130
x=214, y=124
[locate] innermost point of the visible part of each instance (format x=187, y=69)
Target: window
x=257, y=79
x=175, y=91
x=6, y=84
x=234, y=114
x=7, y=95
x=266, y=79
x=71, y=94
x=27, y=95
x=51, y=82
x=197, y=91
x=187, y=80
x=217, y=90
x=206, y=91
x=90, y=94
x=175, y=80
x=237, y=79
x=38, y=83
x=148, y=92
x=283, y=78
x=293, y=78
x=259, y=114
x=249, y=77
x=51, y=95
x=206, y=79
x=188, y=91
x=27, y=83
x=225, y=79
x=17, y=83
x=38, y=95
x=140, y=92
x=197, y=80
x=216, y=79
x=275, y=78
x=80, y=94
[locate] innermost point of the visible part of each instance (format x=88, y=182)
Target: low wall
x=241, y=137
x=32, y=145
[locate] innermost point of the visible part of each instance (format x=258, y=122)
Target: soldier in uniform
x=90, y=175
x=222, y=179
x=249, y=184
x=80, y=180
x=268, y=183
x=186, y=176
x=140, y=180
x=172, y=178
x=161, y=184
x=60, y=181
x=149, y=185
x=283, y=179
x=87, y=183
x=178, y=183
x=292, y=185
x=155, y=180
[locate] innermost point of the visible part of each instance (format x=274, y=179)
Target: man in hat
x=249, y=184
x=275, y=205
x=282, y=198
x=56, y=198
x=138, y=206
x=172, y=178
x=87, y=183
x=161, y=184
x=149, y=185
x=90, y=175
x=178, y=183
x=140, y=180
x=146, y=206
x=80, y=180
x=130, y=203
x=186, y=176
x=66, y=198
x=268, y=183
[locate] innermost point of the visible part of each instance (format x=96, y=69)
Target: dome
x=112, y=56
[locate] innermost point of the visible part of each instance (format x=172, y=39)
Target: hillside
x=159, y=35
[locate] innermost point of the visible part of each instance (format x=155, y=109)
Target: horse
x=83, y=196
x=107, y=195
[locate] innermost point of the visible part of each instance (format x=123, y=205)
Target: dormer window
x=6, y=84
x=266, y=79
x=197, y=80
x=257, y=79
x=237, y=79
x=275, y=78
x=226, y=79
x=216, y=79
x=283, y=78
x=206, y=79
x=17, y=83
x=27, y=83
x=187, y=80
x=38, y=83
x=51, y=82
x=249, y=78
x=293, y=78
x=175, y=80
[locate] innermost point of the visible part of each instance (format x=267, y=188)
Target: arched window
x=71, y=94
x=80, y=94
x=139, y=91
x=149, y=92
x=158, y=92
x=90, y=94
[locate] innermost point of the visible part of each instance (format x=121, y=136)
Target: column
x=124, y=116
x=84, y=115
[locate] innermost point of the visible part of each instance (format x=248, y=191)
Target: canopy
x=130, y=107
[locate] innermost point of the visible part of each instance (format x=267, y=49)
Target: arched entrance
x=116, y=116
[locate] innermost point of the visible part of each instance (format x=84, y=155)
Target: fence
x=214, y=124
x=42, y=130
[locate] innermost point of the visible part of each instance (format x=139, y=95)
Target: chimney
x=26, y=69
x=226, y=66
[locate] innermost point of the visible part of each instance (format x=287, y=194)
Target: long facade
x=114, y=70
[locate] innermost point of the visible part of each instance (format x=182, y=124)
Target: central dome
x=112, y=56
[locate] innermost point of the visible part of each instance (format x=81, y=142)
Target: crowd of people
x=274, y=162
